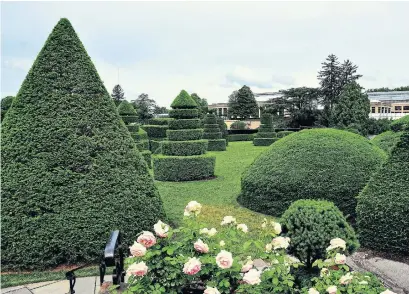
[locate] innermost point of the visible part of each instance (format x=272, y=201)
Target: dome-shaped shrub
x=324, y=164
x=387, y=140
x=311, y=224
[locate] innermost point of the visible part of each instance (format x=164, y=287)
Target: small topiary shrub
x=401, y=124
x=387, y=140
x=127, y=112
x=184, y=148
x=311, y=224
x=238, y=125
x=265, y=135
x=160, y=121
x=213, y=134
x=223, y=129
x=217, y=145
x=185, y=135
x=147, y=155
x=282, y=134
x=240, y=137
x=184, y=101
x=383, y=206
x=155, y=131
x=323, y=164
x=264, y=141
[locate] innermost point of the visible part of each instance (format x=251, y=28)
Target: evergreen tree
x=145, y=107
x=352, y=107
x=348, y=73
x=5, y=105
x=233, y=105
x=202, y=105
x=118, y=94
x=245, y=105
x=71, y=173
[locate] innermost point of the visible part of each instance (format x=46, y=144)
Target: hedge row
x=129, y=119
x=400, y=124
x=183, y=168
x=387, y=140
x=240, y=137
x=264, y=141
x=217, y=145
x=184, y=148
x=383, y=206
x=160, y=121
x=139, y=135
x=147, y=156
x=132, y=128
x=282, y=134
x=155, y=131
x=266, y=135
x=142, y=145
x=184, y=135
x=323, y=164
x=155, y=146
x=179, y=124
x=212, y=136
x=183, y=113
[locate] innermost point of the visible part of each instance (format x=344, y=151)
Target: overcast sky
x=213, y=48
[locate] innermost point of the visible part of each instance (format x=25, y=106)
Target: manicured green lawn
x=218, y=196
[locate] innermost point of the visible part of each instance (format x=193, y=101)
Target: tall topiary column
x=129, y=117
x=265, y=135
x=70, y=171
x=183, y=155
x=213, y=134
x=223, y=129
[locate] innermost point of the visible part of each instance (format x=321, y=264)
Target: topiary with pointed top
x=70, y=171
x=183, y=155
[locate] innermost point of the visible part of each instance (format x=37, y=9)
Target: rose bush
x=195, y=259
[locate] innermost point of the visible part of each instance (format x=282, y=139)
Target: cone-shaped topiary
x=265, y=135
x=383, y=206
x=127, y=112
x=183, y=101
x=183, y=154
x=70, y=171
x=322, y=164
x=213, y=134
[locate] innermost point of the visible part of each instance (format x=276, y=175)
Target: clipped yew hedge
x=240, y=137
x=383, y=206
x=71, y=173
x=400, y=124
x=185, y=135
x=264, y=141
x=282, y=134
x=213, y=134
x=387, y=140
x=265, y=135
x=183, y=113
x=184, y=148
x=155, y=131
x=323, y=164
x=179, y=124
x=164, y=121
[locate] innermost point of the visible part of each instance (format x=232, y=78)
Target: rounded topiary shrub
x=71, y=172
x=311, y=224
x=387, y=140
x=383, y=206
x=400, y=124
x=312, y=164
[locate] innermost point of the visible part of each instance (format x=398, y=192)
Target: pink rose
x=193, y=207
x=247, y=266
x=137, y=269
x=340, y=258
x=280, y=242
x=147, y=239
x=161, y=229
x=224, y=259
x=332, y=290
x=252, y=277
x=137, y=250
x=201, y=247
x=192, y=266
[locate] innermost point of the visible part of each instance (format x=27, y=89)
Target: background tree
x=352, y=107
x=5, y=105
x=160, y=110
x=386, y=89
x=233, y=107
x=118, y=94
x=145, y=107
x=202, y=105
x=245, y=105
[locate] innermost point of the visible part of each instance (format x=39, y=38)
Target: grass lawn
x=218, y=196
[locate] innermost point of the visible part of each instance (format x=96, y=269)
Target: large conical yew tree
x=70, y=170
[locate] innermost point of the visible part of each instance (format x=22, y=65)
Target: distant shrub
x=377, y=126
x=264, y=141
x=282, y=134
x=400, y=124
x=311, y=224
x=164, y=121
x=240, y=137
x=387, y=140
x=238, y=125
x=155, y=131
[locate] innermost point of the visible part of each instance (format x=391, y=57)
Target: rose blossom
x=247, y=266
x=206, y=231
x=193, y=207
x=388, y=292
x=252, y=277
x=192, y=266
x=332, y=289
x=243, y=228
x=269, y=247
x=137, y=249
x=201, y=247
x=340, y=258
x=280, y=242
x=346, y=279
x=336, y=243
x=222, y=243
x=276, y=228
x=224, y=259
x=147, y=239
x=313, y=291
x=228, y=220
x=324, y=272
x=210, y=290
x=161, y=229
x=137, y=269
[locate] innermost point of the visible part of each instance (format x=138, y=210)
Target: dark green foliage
x=183, y=101
x=400, y=124
x=5, y=105
x=264, y=141
x=311, y=224
x=118, y=94
x=386, y=89
x=217, y=145
x=127, y=119
x=184, y=124
x=160, y=121
x=183, y=113
x=383, y=206
x=240, y=137
x=282, y=134
x=183, y=168
x=133, y=128
x=377, y=126
x=265, y=135
x=243, y=104
x=223, y=129
x=266, y=119
x=324, y=164
x=145, y=107
x=70, y=170
x=155, y=145
x=185, y=135
x=238, y=125
x=212, y=136
x=147, y=156
x=126, y=108
x=184, y=148
x=155, y=131
x=387, y=140
x=139, y=135
x=202, y=104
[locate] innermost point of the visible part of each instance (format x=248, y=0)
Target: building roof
x=392, y=95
